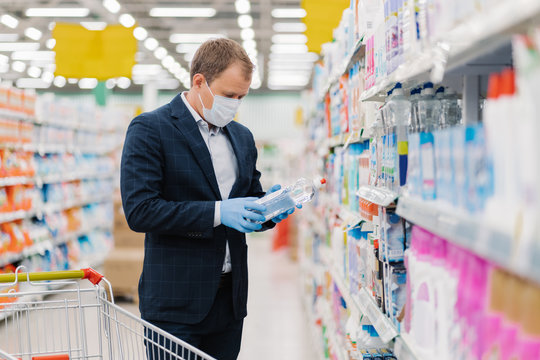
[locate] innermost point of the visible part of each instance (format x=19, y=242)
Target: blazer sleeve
x=256, y=187
x=141, y=176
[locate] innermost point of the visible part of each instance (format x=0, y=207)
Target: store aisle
x=276, y=326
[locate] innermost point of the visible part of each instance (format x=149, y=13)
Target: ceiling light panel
x=29, y=83
x=33, y=55
x=247, y=34
x=19, y=46
x=289, y=27
x=9, y=21
x=288, y=49
x=182, y=12
x=289, y=39
x=245, y=21
x=140, y=33
x=292, y=13
x=9, y=37
x=242, y=6
x=33, y=33
x=126, y=20
x=187, y=48
x=94, y=25
x=57, y=12
x=112, y=6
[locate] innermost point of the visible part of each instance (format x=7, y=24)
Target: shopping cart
x=54, y=316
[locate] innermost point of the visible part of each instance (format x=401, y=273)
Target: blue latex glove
x=235, y=214
x=286, y=214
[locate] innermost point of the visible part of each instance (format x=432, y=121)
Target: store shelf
x=16, y=115
x=73, y=176
x=356, y=54
x=52, y=208
x=377, y=195
x=470, y=232
x=49, y=244
x=16, y=180
x=480, y=34
x=335, y=341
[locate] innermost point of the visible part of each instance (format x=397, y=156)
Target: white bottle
x=280, y=201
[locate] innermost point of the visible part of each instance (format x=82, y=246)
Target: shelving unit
x=457, y=50
x=470, y=232
x=478, y=45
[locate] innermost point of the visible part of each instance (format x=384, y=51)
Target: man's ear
x=198, y=80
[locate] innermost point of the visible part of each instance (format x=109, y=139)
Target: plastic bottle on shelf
x=287, y=198
x=428, y=115
x=400, y=109
x=450, y=109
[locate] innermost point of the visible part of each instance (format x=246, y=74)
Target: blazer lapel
x=240, y=156
x=186, y=124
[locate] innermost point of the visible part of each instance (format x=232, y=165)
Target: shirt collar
x=198, y=119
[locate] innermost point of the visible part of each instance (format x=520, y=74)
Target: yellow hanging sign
x=105, y=54
x=323, y=16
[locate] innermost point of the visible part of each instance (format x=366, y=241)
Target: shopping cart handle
x=92, y=275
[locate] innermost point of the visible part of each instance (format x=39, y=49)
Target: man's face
x=231, y=84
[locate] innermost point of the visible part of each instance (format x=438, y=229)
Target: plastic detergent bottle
x=428, y=116
x=400, y=109
x=287, y=198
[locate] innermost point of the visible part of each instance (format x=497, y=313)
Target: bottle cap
x=323, y=181
x=508, y=82
x=494, y=86
x=428, y=85
x=440, y=90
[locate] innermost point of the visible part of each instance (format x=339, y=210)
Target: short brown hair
x=214, y=56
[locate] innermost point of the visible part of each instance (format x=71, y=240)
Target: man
x=189, y=181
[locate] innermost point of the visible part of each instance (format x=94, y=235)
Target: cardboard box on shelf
x=123, y=268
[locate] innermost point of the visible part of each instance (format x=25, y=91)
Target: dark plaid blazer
x=169, y=191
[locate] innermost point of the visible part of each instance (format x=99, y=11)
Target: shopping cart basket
x=52, y=316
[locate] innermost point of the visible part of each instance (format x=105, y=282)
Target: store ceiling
x=278, y=47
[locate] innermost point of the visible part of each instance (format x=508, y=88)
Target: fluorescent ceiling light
x=168, y=61
x=146, y=69
x=247, y=34
x=50, y=44
x=295, y=57
x=123, y=83
x=168, y=84
x=59, y=81
x=188, y=57
x=29, y=83
x=110, y=83
x=47, y=76
x=289, y=13
x=140, y=33
x=187, y=48
x=289, y=39
x=52, y=25
x=33, y=55
x=33, y=33
x=9, y=21
x=34, y=71
x=126, y=20
x=4, y=68
x=174, y=68
x=288, y=49
x=289, y=27
x=245, y=21
x=256, y=83
x=182, y=12
x=9, y=37
x=88, y=83
x=57, y=12
x=160, y=53
x=249, y=44
x=72, y=81
x=18, y=66
x=242, y=6
x=4, y=58
x=192, y=38
x=151, y=44
x=94, y=25
x=112, y=5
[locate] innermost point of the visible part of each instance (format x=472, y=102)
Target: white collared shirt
x=225, y=166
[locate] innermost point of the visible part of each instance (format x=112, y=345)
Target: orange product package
x=27, y=197
x=15, y=99
x=15, y=196
x=29, y=102
x=5, y=240
x=4, y=97
x=25, y=132
x=27, y=164
x=10, y=163
x=5, y=206
x=16, y=243
x=9, y=269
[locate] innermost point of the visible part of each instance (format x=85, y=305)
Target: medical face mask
x=223, y=110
